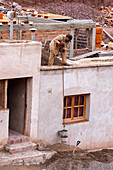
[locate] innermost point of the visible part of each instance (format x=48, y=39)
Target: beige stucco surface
x=45, y=92
x=95, y=81
x=51, y=102
x=19, y=60
x=4, y=120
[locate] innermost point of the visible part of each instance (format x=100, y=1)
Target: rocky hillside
x=78, y=9
x=92, y=3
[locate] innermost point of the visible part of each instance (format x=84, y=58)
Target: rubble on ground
x=103, y=16
x=75, y=10
x=5, y=7
x=107, y=18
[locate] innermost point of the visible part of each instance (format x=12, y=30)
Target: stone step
x=20, y=147
x=34, y=157
x=16, y=137
x=1, y=147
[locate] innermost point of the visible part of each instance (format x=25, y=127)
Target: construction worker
x=59, y=44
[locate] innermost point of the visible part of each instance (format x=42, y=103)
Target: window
x=74, y=109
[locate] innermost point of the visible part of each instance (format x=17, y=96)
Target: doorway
x=16, y=102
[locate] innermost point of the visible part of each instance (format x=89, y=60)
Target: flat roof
x=18, y=42
x=83, y=63
x=53, y=15
x=8, y=20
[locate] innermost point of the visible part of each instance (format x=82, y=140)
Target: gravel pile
x=66, y=8
x=75, y=10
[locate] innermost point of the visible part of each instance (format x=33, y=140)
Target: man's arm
x=58, y=39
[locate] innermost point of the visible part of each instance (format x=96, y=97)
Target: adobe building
x=37, y=101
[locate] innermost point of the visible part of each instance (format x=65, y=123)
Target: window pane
x=81, y=111
x=64, y=114
x=76, y=112
x=81, y=100
x=68, y=113
x=69, y=101
x=64, y=101
x=76, y=100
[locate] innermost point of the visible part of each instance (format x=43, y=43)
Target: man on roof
x=59, y=44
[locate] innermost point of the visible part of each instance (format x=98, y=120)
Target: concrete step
x=20, y=147
x=16, y=137
x=106, y=54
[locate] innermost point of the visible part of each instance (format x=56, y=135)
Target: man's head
x=68, y=37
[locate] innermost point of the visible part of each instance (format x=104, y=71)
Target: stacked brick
x=6, y=35
x=46, y=36
x=1, y=15
x=39, y=36
x=98, y=37
x=82, y=39
x=43, y=35
x=81, y=51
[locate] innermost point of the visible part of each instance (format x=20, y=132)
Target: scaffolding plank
x=50, y=26
x=85, y=55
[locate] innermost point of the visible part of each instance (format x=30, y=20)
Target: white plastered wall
x=96, y=81
x=19, y=60
x=4, y=120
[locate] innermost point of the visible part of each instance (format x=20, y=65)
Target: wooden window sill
x=3, y=108
x=74, y=121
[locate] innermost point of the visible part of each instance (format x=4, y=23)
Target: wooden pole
x=19, y=34
x=5, y=94
x=76, y=36
x=88, y=36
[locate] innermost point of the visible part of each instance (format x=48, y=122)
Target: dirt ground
x=81, y=160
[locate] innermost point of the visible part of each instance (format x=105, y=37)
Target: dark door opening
x=16, y=103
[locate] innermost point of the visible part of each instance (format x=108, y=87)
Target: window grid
x=72, y=106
